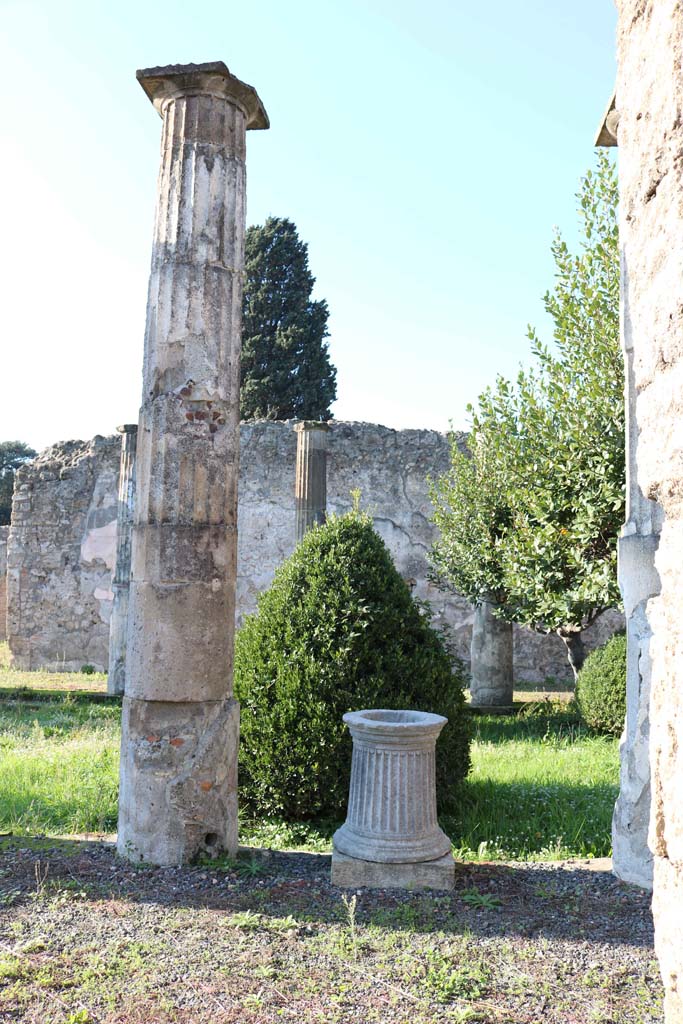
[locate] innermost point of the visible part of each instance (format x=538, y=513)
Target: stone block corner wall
x=649, y=99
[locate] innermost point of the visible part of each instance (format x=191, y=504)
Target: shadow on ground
x=567, y=901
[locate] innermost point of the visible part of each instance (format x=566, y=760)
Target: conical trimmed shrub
x=337, y=631
x=601, y=687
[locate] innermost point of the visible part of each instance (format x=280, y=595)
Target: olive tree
x=542, y=494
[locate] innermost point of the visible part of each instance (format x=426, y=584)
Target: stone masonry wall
x=4, y=534
x=61, y=554
x=650, y=103
x=60, y=579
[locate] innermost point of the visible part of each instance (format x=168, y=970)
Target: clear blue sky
x=425, y=151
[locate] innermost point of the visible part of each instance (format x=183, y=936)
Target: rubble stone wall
x=61, y=554
x=650, y=103
x=63, y=538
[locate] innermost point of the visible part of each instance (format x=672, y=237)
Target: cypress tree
x=286, y=368
x=12, y=455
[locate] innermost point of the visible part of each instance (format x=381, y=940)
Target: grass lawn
x=541, y=786
x=13, y=679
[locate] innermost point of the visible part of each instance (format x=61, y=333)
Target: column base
x=496, y=707
x=352, y=873
x=178, y=789
x=632, y=860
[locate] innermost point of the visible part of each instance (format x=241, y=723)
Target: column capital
x=213, y=79
x=607, y=132
x=310, y=425
x=127, y=428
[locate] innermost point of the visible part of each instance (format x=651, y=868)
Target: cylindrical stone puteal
x=391, y=814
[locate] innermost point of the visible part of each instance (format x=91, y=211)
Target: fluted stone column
x=391, y=835
x=491, y=676
x=311, y=475
x=118, y=625
x=178, y=792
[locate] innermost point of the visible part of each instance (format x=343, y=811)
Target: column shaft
x=311, y=475
x=118, y=626
x=491, y=680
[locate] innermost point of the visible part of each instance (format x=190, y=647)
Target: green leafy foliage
x=471, y=513
x=337, y=631
x=286, y=369
x=601, y=687
x=12, y=455
x=531, y=519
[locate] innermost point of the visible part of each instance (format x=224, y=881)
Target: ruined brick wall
x=4, y=533
x=389, y=467
x=650, y=103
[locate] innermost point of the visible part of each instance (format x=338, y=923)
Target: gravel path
x=86, y=938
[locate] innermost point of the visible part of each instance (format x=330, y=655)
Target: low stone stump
x=391, y=836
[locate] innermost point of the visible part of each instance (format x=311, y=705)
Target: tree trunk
x=576, y=652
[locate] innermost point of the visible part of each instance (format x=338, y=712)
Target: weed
x=252, y=1002
x=251, y=867
x=483, y=900
x=9, y=896
x=468, y=1016
x=545, y=892
x=264, y=971
x=36, y=945
x=404, y=916
x=350, y=920
x=41, y=872
x=246, y=920
x=20, y=693
x=10, y=967
x=79, y=1017
x=446, y=982
x=282, y=924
